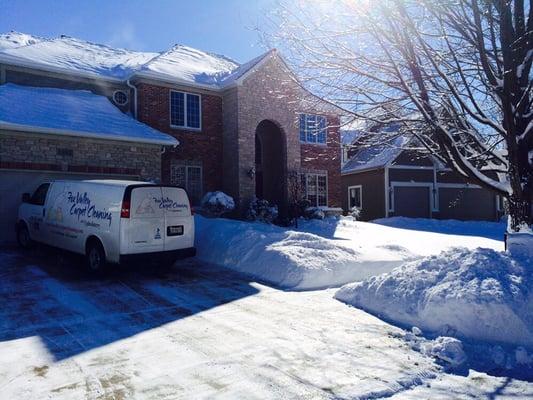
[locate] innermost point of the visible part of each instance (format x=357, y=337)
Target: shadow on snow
x=486, y=229
x=48, y=295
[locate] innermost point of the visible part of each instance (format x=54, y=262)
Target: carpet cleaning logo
x=82, y=207
x=167, y=203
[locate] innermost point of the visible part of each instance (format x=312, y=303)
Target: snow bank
x=286, y=258
x=480, y=294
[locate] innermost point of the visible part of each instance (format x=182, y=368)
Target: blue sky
x=223, y=26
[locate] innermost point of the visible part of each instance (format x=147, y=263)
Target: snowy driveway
x=196, y=331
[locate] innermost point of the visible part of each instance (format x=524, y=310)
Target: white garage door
x=14, y=183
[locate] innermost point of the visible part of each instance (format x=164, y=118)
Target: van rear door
x=179, y=222
x=147, y=220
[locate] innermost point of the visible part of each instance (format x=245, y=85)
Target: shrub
x=314, y=213
x=355, y=212
x=261, y=210
x=217, y=203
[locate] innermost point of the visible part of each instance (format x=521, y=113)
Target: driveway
x=198, y=331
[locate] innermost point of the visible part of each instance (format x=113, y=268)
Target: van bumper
x=178, y=254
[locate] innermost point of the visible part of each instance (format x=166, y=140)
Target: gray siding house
x=387, y=180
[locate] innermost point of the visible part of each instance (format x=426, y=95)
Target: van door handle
x=43, y=211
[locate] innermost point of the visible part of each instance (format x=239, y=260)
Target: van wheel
x=23, y=237
x=95, y=257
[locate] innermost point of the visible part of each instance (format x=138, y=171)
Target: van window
x=39, y=196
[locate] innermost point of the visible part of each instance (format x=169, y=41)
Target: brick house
x=242, y=129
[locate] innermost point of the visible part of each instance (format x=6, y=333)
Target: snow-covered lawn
x=199, y=331
x=332, y=252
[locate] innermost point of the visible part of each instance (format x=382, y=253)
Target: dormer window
x=185, y=110
x=313, y=129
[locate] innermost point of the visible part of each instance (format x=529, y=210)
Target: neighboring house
x=70, y=108
x=389, y=179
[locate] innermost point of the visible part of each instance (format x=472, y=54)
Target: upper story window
x=312, y=128
x=185, y=110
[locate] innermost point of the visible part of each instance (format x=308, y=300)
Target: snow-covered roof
x=67, y=54
x=16, y=39
x=79, y=56
x=375, y=156
x=73, y=113
x=190, y=65
x=348, y=136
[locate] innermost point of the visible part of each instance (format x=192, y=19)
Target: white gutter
x=175, y=81
x=134, y=97
x=62, y=132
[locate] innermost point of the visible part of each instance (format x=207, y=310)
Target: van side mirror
x=26, y=197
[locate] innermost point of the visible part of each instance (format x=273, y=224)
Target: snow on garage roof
x=67, y=54
x=72, y=113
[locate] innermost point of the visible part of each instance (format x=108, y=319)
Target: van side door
x=36, y=212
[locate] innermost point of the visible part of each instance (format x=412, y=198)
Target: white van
x=109, y=220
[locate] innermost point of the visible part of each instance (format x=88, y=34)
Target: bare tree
x=454, y=73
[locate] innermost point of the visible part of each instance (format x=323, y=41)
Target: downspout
x=130, y=85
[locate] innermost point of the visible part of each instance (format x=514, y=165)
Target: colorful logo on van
x=167, y=203
x=82, y=207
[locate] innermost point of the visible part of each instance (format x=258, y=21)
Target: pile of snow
x=321, y=253
x=479, y=294
x=289, y=259
x=448, y=350
x=217, y=203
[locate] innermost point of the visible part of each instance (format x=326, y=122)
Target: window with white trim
x=355, y=197
x=315, y=189
x=185, y=110
x=190, y=178
x=313, y=129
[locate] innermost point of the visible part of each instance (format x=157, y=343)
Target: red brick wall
x=315, y=157
x=203, y=146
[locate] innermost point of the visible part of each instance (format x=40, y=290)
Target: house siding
x=373, y=193
x=203, y=147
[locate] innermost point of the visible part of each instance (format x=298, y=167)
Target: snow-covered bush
x=261, y=210
x=480, y=294
x=314, y=213
x=355, y=212
x=217, y=203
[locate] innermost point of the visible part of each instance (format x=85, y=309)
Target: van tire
x=95, y=256
x=23, y=237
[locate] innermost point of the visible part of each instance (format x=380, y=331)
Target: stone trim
x=14, y=165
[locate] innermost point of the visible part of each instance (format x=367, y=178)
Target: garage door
x=412, y=201
x=467, y=204
x=14, y=183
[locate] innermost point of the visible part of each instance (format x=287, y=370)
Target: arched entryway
x=270, y=164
